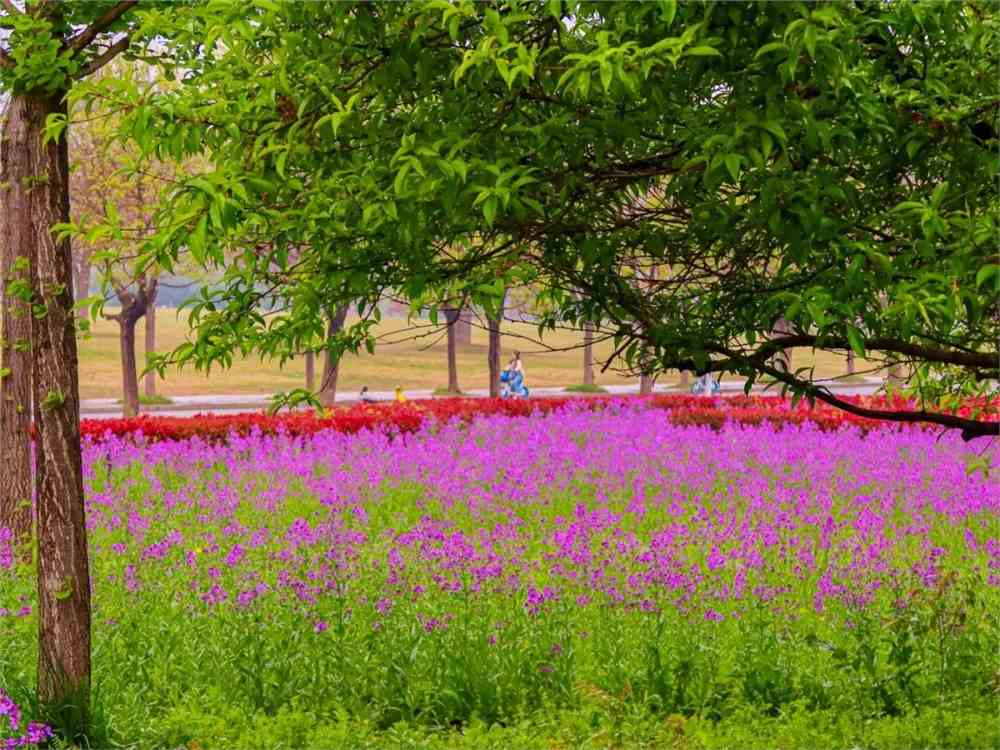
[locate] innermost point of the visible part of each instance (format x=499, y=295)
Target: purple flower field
x=490, y=569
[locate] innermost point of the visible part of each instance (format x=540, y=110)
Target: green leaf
x=984, y=273
x=733, y=162
x=855, y=340
x=668, y=8
x=702, y=51
x=771, y=47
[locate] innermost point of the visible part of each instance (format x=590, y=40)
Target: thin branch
x=85, y=37
x=105, y=57
x=11, y=8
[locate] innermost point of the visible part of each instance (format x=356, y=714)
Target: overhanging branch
x=85, y=37
x=105, y=57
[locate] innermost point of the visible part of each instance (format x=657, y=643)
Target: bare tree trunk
x=130, y=381
x=331, y=362
x=783, y=359
x=685, y=377
x=494, y=352
x=15, y=336
x=37, y=179
x=451, y=316
x=588, y=353
x=133, y=307
x=850, y=361
x=463, y=327
x=310, y=371
x=152, y=287
x=646, y=383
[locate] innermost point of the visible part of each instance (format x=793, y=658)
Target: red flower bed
x=683, y=409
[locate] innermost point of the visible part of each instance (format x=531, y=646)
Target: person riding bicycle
x=513, y=377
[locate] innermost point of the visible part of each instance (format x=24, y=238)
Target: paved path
x=182, y=406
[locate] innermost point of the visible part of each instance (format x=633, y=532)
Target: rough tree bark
x=646, y=383
x=452, y=316
x=494, y=349
x=152, y=287
x=15, y=378
x=588, y=353
x=133, y=307
x=463, y=327
x=331, y=362
x=37, y=180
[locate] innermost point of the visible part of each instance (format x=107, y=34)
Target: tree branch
x=974, y=360
x=85, y=37
x=11, y=8
x=105, y=57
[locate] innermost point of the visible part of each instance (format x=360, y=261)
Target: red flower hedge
x=409, y=416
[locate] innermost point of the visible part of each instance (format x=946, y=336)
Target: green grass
x=444, y=392
x=155, y=400
x=585, y=388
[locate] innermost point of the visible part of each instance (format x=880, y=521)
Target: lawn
x=400, y=360
x=575, y=579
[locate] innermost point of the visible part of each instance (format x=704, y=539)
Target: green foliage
x=698, y=171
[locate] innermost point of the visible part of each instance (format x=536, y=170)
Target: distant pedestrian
x=364, y=395
x=399, y=395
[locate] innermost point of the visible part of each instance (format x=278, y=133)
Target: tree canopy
x=819, y=175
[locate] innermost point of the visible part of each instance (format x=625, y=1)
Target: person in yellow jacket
x=399, y=395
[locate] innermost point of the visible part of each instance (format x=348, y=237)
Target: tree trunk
x=331, y=362
x=646, y=383
x=783, y=359
x=310, y=371
x=463, y=327
x=37, y=181
x=149, y=380
x=588, y=353
x=452, y=317
x=15, y=336
x=494, y=353
x=850, y=361
x=685, y=378
x=130, y=380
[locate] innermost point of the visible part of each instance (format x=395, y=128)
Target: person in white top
x=515, y=364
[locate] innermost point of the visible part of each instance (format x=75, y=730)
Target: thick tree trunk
x=149, y=379
x=452, y=317
x=37, y=181
x=331, y=362
x=463, y=327
x=15, y=336
x=646, y=383
x=310, y=371
x=685, y=377
x=588, y=353
x=494, y=350
x=850, y=362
